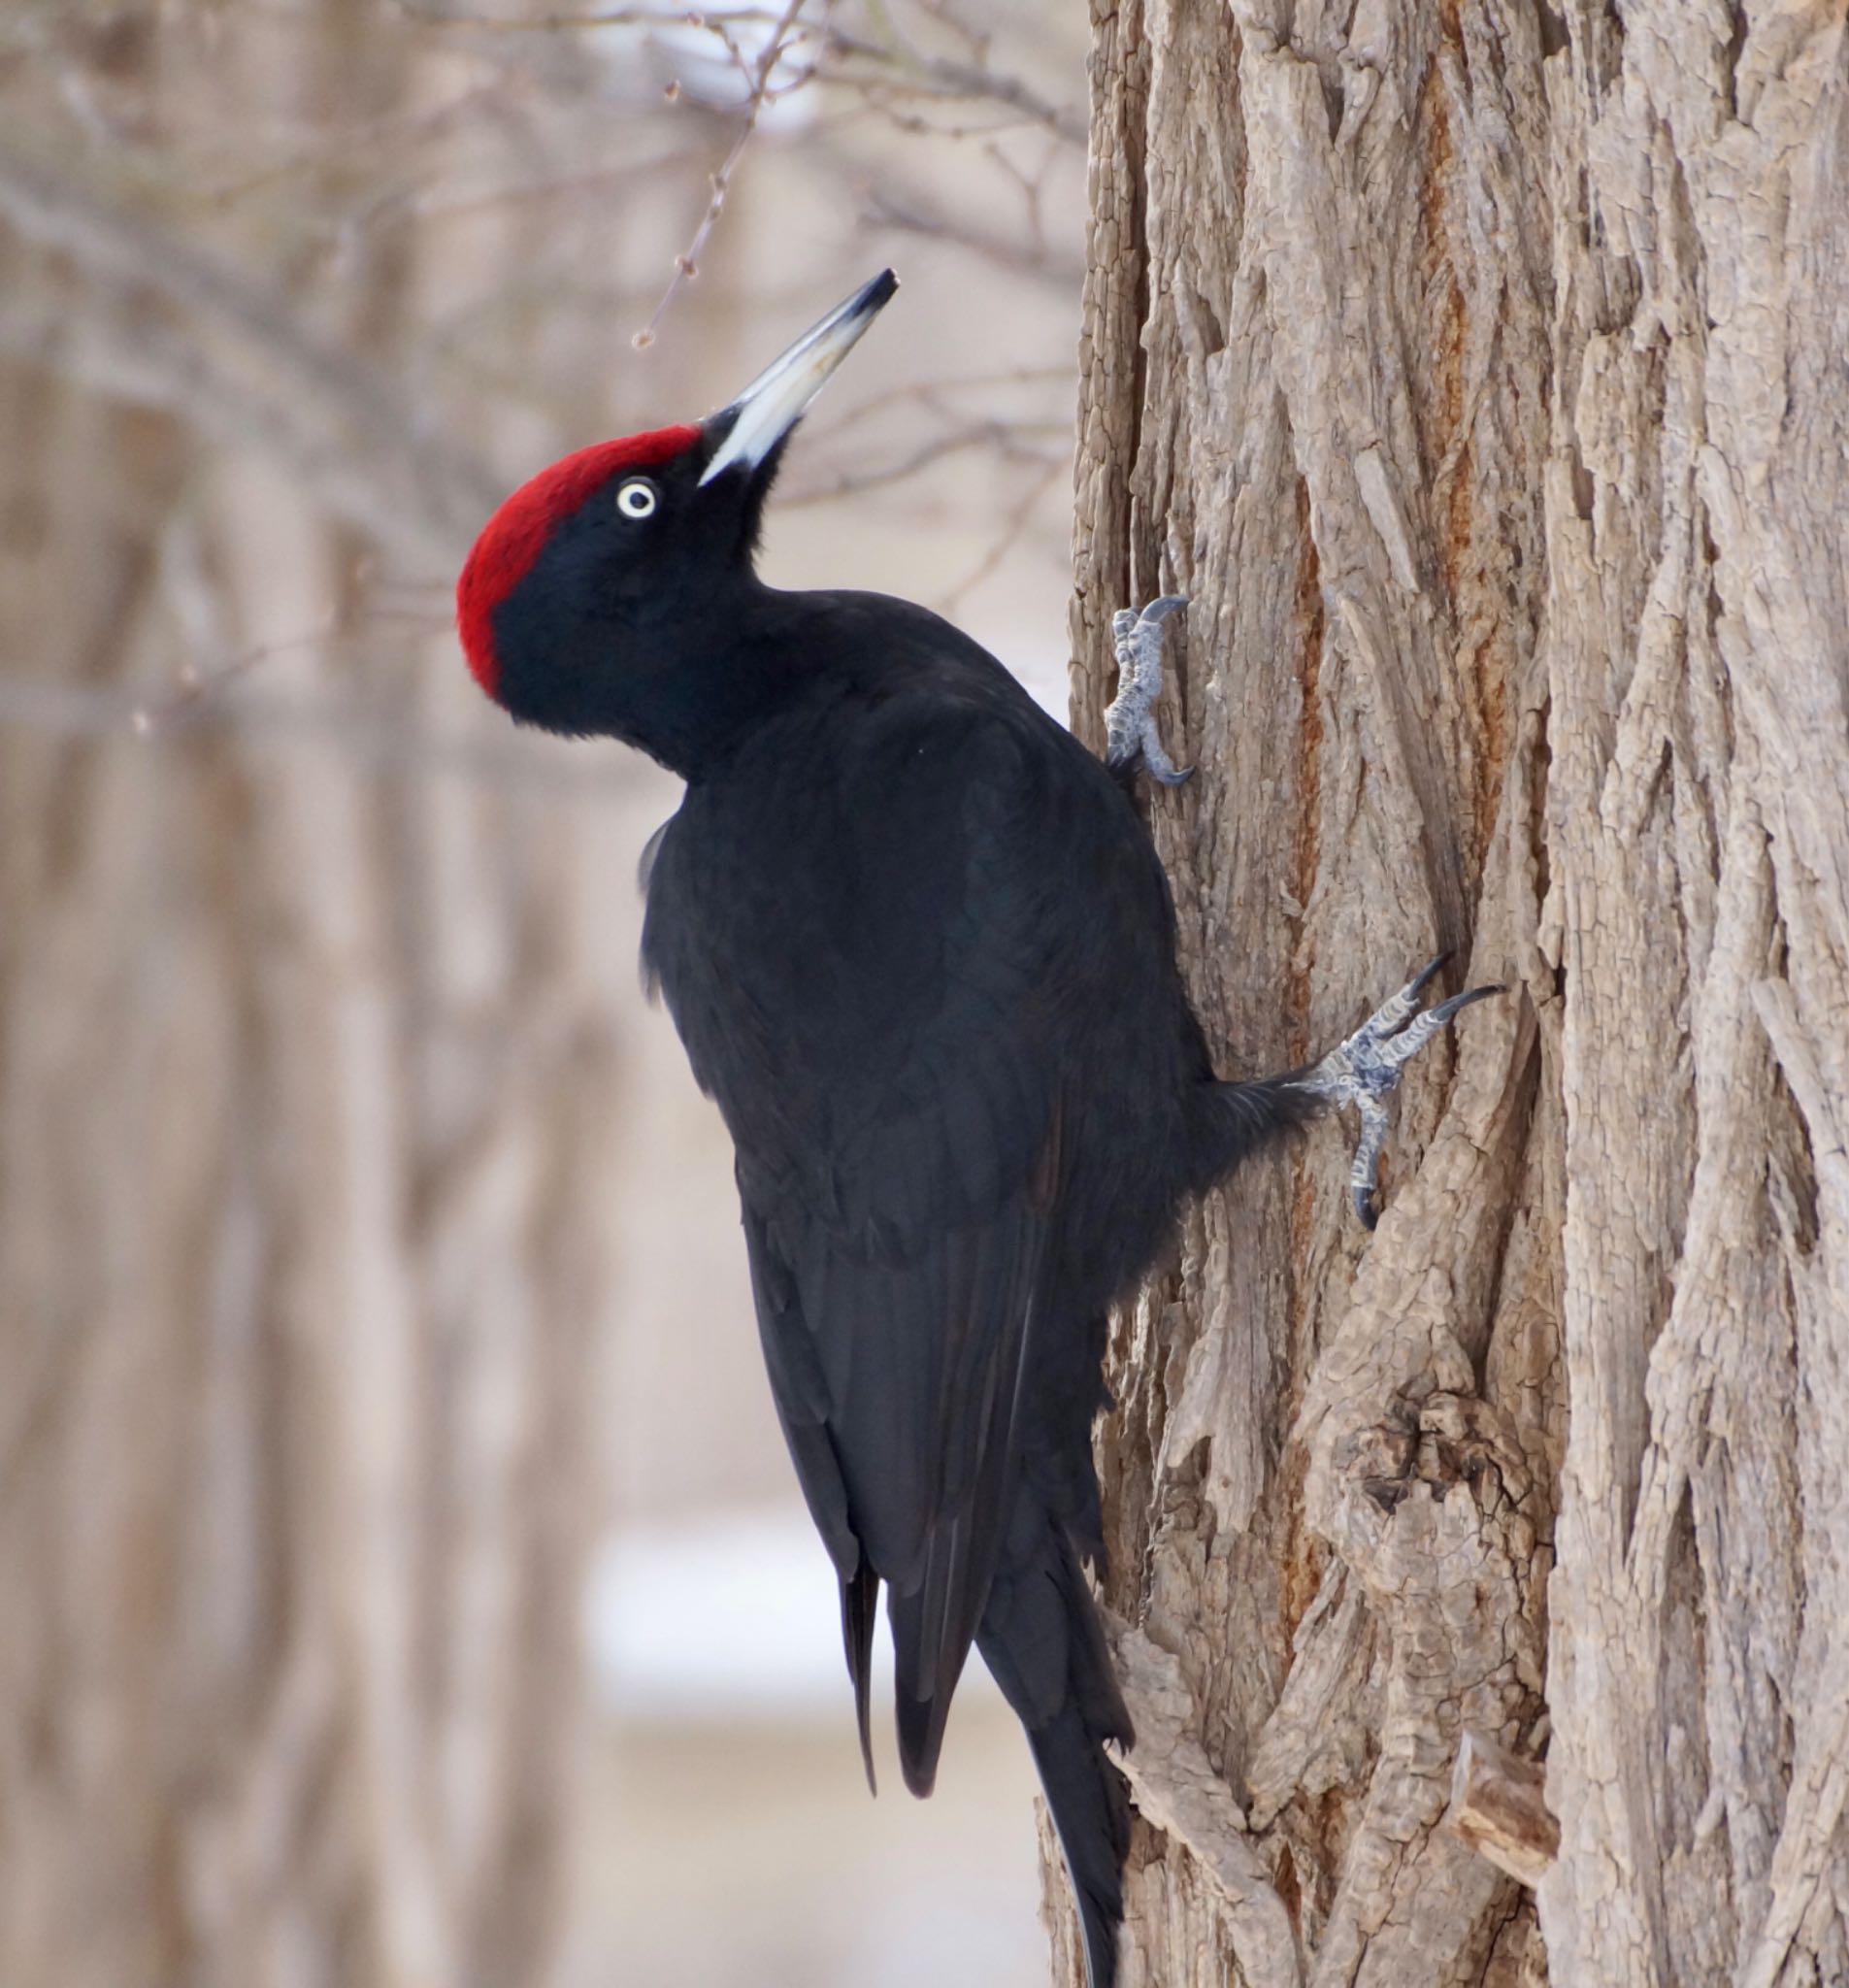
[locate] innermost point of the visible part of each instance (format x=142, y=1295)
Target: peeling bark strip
x=1478, y=374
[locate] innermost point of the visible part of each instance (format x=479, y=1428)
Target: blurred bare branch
x=562, y=21
x=895, y=72
x=882, y=62
x=343, y=425
x=353, y=727
x=1014, y=527
x=934, y=396
x=1008, y=440
x=910, y=215
x=177, y=316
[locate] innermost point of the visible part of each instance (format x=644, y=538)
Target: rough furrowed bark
x=1476, y=370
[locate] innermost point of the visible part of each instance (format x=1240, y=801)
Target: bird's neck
x=711, y=677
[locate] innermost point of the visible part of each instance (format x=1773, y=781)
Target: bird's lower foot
x=1131, y=738
x=1364, y=1070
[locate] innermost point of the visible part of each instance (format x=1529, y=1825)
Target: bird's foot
x=1130, y=738
x=1364, y=1070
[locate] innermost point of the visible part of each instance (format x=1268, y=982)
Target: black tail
x=1040, y=1636
x=860, y=1607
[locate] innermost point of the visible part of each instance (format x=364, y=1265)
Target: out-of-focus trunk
x=1477, y=374
x=308, y=1076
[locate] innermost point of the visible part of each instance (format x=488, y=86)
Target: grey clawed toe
x=1364, y=1069
x=1131, y=738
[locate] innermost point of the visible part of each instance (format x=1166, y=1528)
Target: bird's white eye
x=637, y=498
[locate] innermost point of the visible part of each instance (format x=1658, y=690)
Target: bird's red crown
x=514, y=537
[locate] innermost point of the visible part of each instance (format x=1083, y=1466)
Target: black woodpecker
x=919, y=948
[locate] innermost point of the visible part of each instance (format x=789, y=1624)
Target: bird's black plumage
x=920, y=949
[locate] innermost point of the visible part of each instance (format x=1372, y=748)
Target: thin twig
x=883, y=211
x=936, y=395
x=1005, y=436
x=687, y=263
x=910, y=73
x=195, y=687
x=905, y=70
x=566, y=23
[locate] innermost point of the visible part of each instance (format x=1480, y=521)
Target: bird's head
x=600, y=594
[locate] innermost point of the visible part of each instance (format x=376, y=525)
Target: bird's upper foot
x=1130, y=738
x=1364, y=1069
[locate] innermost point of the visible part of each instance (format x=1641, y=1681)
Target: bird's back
x=912, y=872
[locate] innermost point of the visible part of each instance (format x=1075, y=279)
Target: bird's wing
x=897, y=1384
x=885, y=1044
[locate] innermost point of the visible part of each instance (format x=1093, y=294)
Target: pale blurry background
x=401, y=1578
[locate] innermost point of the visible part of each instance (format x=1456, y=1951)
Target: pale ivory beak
x=773, y=401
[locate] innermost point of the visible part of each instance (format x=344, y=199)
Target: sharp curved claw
x=1445, y=1009
x=1160, y=608
x=1365, y=1169
x=1160, y=767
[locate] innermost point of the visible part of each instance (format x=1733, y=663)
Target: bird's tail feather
x=1042, y=1638
x=860, y=1604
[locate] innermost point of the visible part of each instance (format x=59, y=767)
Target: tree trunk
x=1477, y=371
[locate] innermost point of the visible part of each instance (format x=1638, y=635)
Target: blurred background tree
x=368, y=1278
